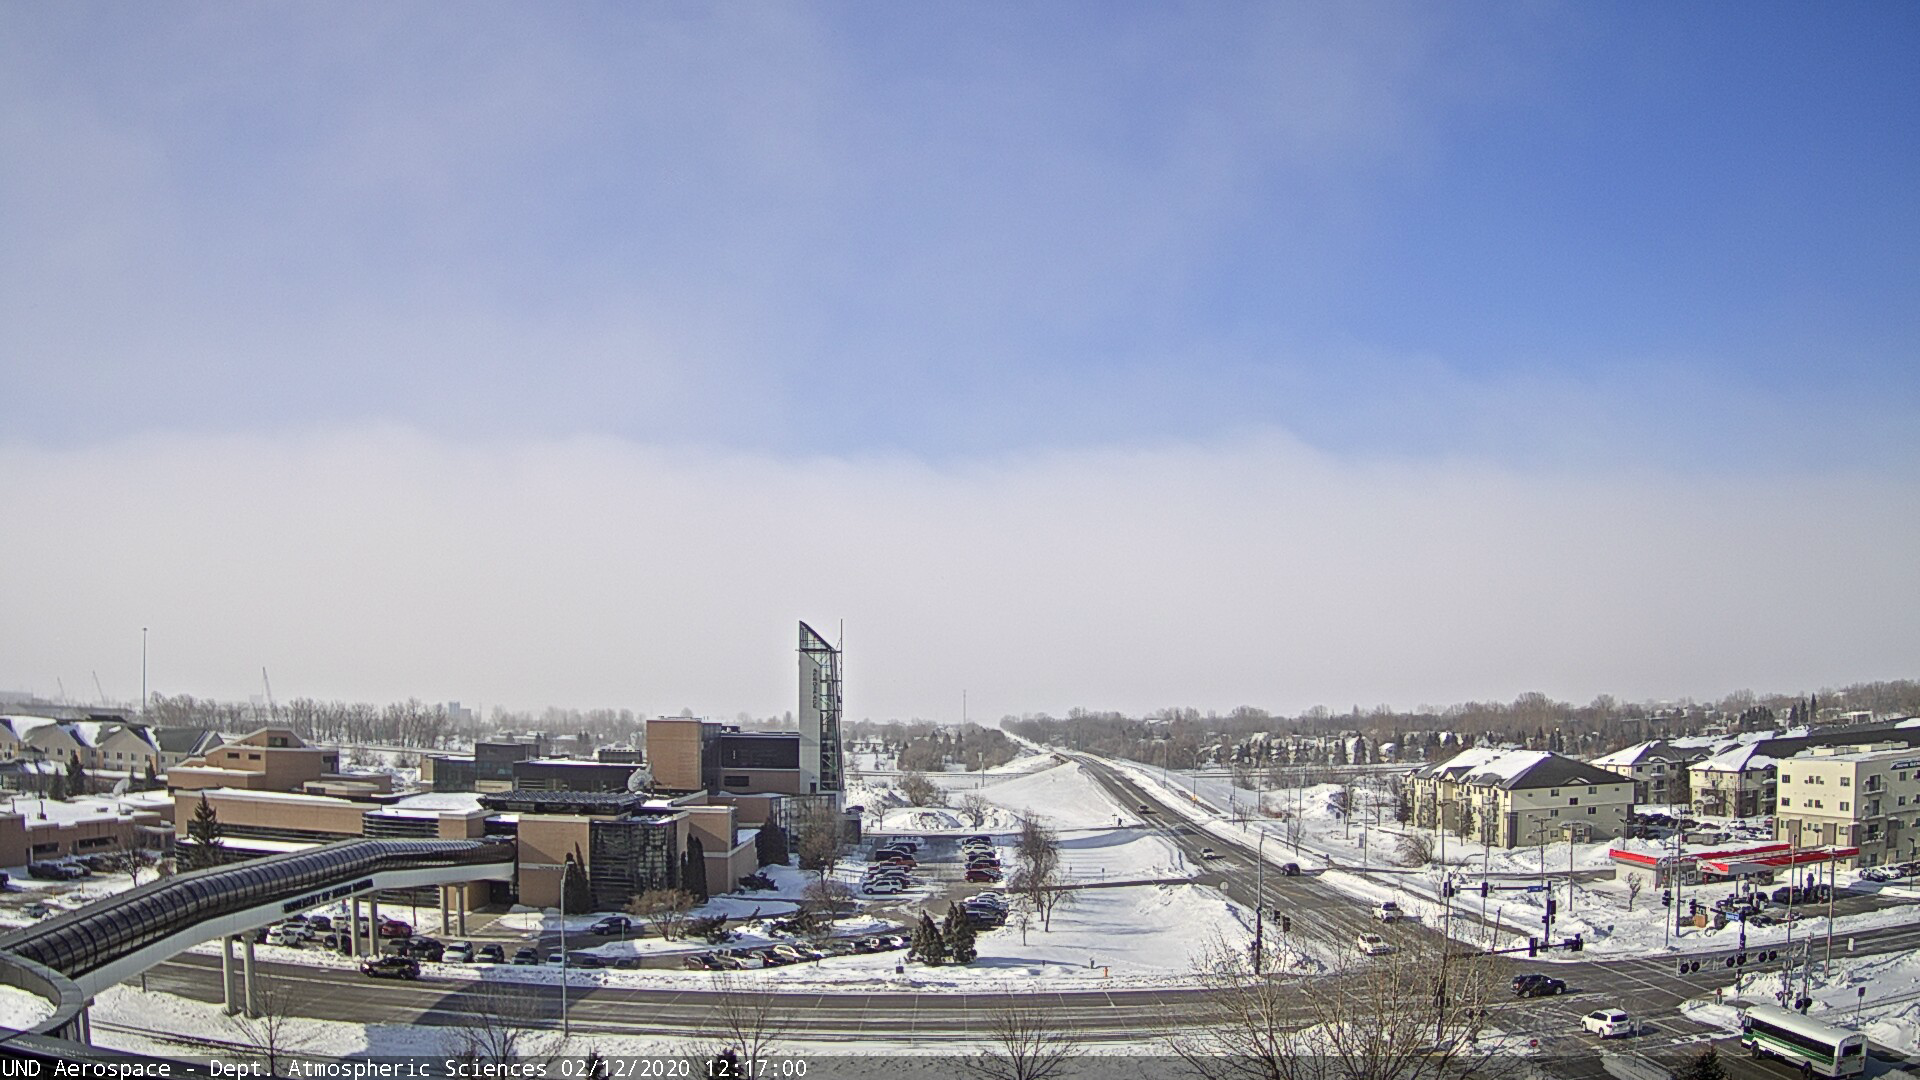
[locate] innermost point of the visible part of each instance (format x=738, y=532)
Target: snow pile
x=1889, y=1014
x=22, y=1009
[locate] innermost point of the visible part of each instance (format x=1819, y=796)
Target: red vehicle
x=982, y=874
x=395, y=928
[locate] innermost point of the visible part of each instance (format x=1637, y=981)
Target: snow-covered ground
x=1888, y=1013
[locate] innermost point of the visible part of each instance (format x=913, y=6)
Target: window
x=1846, y=781
x=735, y=781
x=1845, y=805
x=1555, y=812
x=1786, y=802
x=1573, y=801
x=253, y=757
x=1785, y=779
x=1555, y=793
x=1593, y=791
x=1593, y=810
x=1903, y=800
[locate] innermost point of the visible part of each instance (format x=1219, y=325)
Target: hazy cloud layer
x=383, y=564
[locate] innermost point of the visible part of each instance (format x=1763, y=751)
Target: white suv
x=1607, y=1023
x=1388, y=911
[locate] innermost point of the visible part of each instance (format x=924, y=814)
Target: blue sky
x=1570, y=244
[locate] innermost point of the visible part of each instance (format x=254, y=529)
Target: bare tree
x=826, y=899
x=1416, y=849
x=746, y=1026
x=974, y=810
x=918, y=790
x=498, y=1023
x=664, y=909
x=1634, y=884
x=817, y=840
x=1039, y=879
x=1414, y=1014
x=273, y=1026
x=1023, y=1041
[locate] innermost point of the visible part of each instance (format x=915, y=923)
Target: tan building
x=1736, y=782
x=36, y=830
x=1514, y=798
x=1865, y=797
x=273, y=759
x=1658, y=770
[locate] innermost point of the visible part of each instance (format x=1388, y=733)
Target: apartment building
x=1866, y=796
x=1658, y=769
x=1512, y=798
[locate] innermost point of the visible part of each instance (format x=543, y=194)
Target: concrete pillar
x=226, y=976
x=373, y=925
x=353, y=928
x=86, y=1023
x=444, y=924
x=246, y=976
x=460, y=902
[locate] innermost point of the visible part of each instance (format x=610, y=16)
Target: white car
x=1209, y=853
x=883, y=888
x=1388, y=911
x=1607, y=1023
x=1373, y=944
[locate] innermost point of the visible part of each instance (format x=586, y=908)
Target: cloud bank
x=383, y=563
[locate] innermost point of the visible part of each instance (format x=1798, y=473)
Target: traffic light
x=1575, y=944
x=1483, y=890
x=1286, y=924
x=1533, y=946
x=1666, y=898
x=1552, y=905
x=1446, y=889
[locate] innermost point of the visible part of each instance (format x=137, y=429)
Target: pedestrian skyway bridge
x=72, y=957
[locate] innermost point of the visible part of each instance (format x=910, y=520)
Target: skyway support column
x=444, y=924
x=353, y=928
x=226, y=976
x=246, y=977
x=373, y=924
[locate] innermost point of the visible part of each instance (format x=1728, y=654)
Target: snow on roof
x=438, y=801
x=1463, y=762
x=1509, y=765
x=1734, y=759
x=278, y=796
x=1632, y=755
x=65, y=813
x=21, y=725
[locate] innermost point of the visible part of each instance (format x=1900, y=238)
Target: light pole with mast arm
x=566, y=871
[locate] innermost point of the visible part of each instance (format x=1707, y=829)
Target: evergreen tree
x=694, y=877
x=928, y=946
x=576, y=894
x=1702, y=1066
x=76, y=776
x=57, y=787
x=205, y=831
x=957, y=935
x=770, y=846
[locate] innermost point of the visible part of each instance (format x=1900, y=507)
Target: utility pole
x=566, y=869
x=143, y=671
x=1259, y=898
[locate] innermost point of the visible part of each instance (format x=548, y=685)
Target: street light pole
x=1259, y=898
x=143, y=671
x=566, y=868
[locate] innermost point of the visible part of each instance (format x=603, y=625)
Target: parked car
x=427, y=949
x=701, y=962
x=396, y=928
x=612, y=924
x=789, y=953
x=54, y=871
x=586, y=960
x=527, y=955
x=460, y=952
x=1373, y=944
x=1537, y=985
x=319, y=924
x=771, y=958
x=977, y=838
x=391, y=967
x=491, y=954
x=1388, y=911
x=895, y=941
x=1607, y=1023
x=883, y=888
x=983, y=874
x=286, y=937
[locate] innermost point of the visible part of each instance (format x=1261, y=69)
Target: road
x=1652, y=988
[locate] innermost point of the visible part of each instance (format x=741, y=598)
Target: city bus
x=1815, y=1046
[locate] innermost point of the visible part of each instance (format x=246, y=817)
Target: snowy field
x=1888, y=1014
